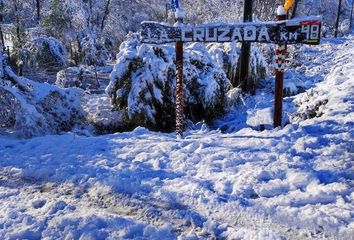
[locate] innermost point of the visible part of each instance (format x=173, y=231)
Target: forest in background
x=92, y=30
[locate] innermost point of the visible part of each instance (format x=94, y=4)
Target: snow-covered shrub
x=94, y=53
x=143, y=82
x=30, y=108
x=344, y=26
x=234, y=97
x=311, y=104
x=49, y=51
x=76, y=77
x=259, y=66
x=227, y=56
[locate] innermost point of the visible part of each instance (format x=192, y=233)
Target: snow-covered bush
x=76, y=77
x=227, y=56
x=234, y=97
x=143, y=82
x=30, y=108
x=344, y=26
x=49, y=51
x=94, y=53
x=311, y=104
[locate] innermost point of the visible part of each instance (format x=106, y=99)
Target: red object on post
x=279, y=76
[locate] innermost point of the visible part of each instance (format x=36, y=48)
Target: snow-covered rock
x=260, y=117
x=100, y=115
x=77, y=77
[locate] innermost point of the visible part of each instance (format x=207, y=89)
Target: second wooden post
x=280, y=58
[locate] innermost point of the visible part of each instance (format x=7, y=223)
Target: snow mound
x=100, y=115
x=30, y=108
x=332, y=97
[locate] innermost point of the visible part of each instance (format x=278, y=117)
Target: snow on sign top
x=300, y=30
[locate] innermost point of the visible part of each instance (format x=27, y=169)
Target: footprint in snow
x=39, y=203
x=60, y=205
x=191, y=147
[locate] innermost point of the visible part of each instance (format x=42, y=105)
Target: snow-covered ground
x=235, y=183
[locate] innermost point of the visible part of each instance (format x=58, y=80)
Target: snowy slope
x=291, y=183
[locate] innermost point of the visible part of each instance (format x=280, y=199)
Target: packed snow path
x=290, y=183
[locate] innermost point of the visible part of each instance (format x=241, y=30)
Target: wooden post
x=179, y=80
x=179, y=89
x=245, y=50
x=337, y=20
x=280, y=53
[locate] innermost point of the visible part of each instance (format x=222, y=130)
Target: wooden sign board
x=301, y=30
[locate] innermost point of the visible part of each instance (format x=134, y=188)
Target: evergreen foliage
x=143, y=82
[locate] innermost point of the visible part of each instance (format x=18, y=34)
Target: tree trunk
x=2, y=40
x=337, y=21
x=96, y=76
x=90, y=15
x=38, y=8
x=244, y=78
x=71, y=50
x=79, y=51
x=351, y=17
x=293, y=13
x=17, y=23
x=105, y=14
x=1, y=32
